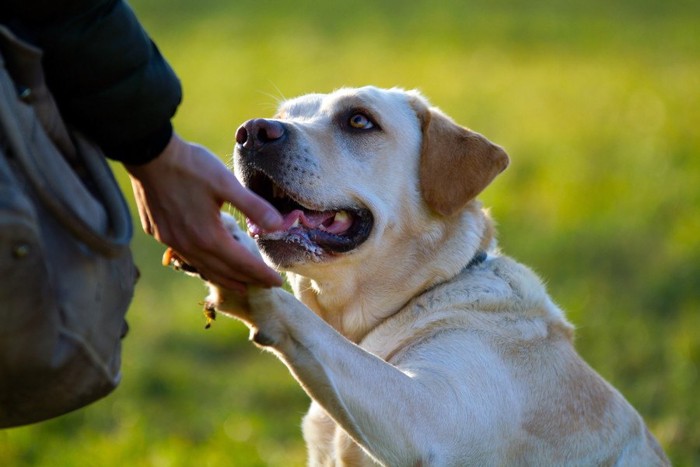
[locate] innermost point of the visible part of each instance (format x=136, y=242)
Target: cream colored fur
x=411, y=357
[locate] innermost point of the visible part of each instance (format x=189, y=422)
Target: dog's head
x=357, y=169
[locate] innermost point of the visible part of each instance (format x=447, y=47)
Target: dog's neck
x=354, y=300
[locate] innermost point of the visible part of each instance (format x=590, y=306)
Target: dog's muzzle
x=268, y=165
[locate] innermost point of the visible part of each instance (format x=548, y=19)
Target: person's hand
x=179, y=196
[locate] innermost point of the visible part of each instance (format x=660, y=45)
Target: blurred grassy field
x=598, y=104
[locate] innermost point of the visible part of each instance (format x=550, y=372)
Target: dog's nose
x=255, y=133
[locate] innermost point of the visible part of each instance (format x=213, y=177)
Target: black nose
x=255, y=133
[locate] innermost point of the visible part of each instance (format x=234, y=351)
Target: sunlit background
x=597, y=103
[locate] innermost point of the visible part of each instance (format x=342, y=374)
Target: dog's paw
x=223, y=300
x=229, y=302
x=239, y=235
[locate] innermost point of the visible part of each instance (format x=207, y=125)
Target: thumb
x=257, y=209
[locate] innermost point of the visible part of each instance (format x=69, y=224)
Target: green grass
x=598, y=104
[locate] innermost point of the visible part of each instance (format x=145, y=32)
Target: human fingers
x=142, y=207
x=257, y=209
x=226, y=262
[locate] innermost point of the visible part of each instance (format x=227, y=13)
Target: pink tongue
x=309, y=219
x=324, y=220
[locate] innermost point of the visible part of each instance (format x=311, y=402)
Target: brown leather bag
x=66, y=271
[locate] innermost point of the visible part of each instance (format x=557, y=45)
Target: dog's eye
x=360, y=121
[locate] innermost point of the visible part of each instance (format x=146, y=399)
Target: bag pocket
x=25, y=276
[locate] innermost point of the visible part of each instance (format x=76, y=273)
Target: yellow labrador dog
x=418, y=341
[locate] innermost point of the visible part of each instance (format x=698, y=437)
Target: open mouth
x=317, y=231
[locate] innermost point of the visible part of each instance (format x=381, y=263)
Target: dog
x=419, y=343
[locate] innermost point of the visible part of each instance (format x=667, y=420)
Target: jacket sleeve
x=108, y=77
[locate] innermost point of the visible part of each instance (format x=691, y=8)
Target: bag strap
x=119, y=234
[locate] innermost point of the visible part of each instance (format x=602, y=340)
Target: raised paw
x=239, y=235
x=229, y=302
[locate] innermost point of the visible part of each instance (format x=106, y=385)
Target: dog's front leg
x=391, y=415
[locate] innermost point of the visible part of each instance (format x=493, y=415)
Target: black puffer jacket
x=107, y=76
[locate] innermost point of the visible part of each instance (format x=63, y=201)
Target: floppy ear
x=456, y=163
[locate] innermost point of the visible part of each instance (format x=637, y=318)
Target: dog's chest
x=328, y=444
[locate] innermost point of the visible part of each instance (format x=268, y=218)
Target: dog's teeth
x=341, y=216
x=296, y=223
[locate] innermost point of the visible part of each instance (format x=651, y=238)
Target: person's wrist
x=165, y=157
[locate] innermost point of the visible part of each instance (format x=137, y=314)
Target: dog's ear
x=456, y=163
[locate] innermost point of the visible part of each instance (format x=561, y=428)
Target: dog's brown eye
x=361, y=122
